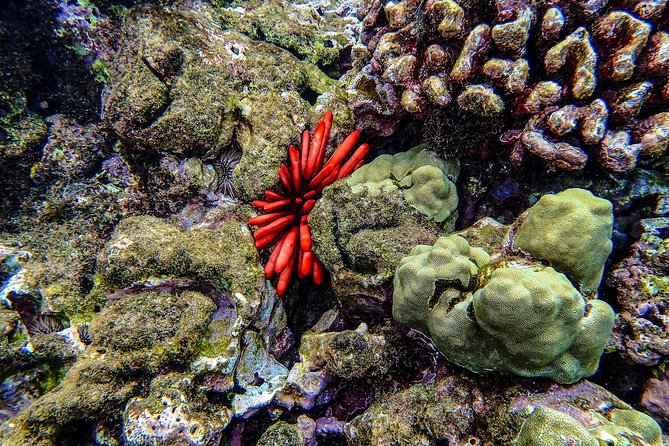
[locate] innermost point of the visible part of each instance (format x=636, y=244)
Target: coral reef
x=134, y=308
x=362, y=227
x=508, y=312
x=461, y=410
x=285, y=225
x=562, y=84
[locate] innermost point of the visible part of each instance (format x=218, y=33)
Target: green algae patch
x=189, y=88
x=282, y=434
x=149, y=330
x=135, y=336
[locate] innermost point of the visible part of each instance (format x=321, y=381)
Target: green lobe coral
x=550, y=427
x=526, y=319
x=425, y=180
x=572, y=231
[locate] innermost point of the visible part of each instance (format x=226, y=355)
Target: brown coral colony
x=578, y=79
x=284, y=225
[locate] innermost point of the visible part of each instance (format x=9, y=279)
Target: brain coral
x=526, y=319
x=572, y=231
x=563, y=80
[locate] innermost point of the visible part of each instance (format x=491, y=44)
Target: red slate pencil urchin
x=284, y=226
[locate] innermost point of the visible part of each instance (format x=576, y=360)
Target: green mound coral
x=550, y=427
x=571, y=230
x=425, y=180
x=522, y=317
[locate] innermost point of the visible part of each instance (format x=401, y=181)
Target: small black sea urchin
x=225, y=167
x=84, y=333
x=45, y=323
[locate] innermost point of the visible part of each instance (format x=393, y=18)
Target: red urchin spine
x=284, y=227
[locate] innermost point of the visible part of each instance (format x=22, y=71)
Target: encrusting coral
x=284, y=226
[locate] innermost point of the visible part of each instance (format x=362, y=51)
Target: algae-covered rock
x=526, y=319
x=641, y=283
x=151, y=329
x=135, y=335
x=182, y=86
x=571, y=230
x=319, y=38
x=419, y=415
x=363, y=226
x=146, y=247
x=348, y=354
x=174, y=412
x=282, y=434
x=23, y=132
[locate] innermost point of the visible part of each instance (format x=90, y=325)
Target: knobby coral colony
x=285, y=226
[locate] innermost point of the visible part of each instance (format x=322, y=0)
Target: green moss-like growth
x=425, y=180
x=145, y=247
x=282, y=434
x=347, y=354
x=136, y=335
x=528, y=320
x=572, y=231
x=419, y=415
x=550, y=427
x=149, y=330
x=187, y=88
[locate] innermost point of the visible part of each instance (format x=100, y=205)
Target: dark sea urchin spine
x=285, y=222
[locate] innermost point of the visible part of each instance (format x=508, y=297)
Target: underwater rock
x=640, y=282
x=71, y=152
x=655, y=398
x=500, y=310
x=173, y=413
x=183, y=87
x=347, y=354
x=223, y=254
x=467, y=411
x=595, y=69
x=258, y=374
x=138, y=334
x=22, y=133
x=443, y=412
x=319, y=38
x=362, y=227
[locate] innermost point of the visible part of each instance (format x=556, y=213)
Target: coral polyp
x=284, y=227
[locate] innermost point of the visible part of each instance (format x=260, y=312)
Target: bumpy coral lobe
x=284, y=226
x=568, y=81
